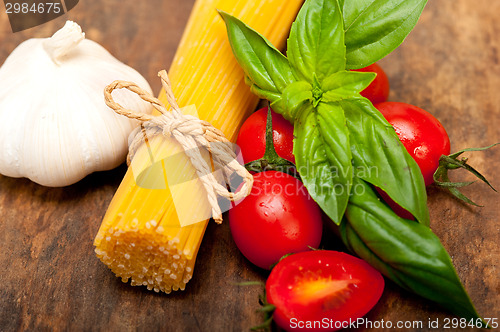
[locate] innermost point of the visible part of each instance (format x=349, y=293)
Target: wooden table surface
x=51, y=279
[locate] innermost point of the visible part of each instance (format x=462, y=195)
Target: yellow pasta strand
x=141, y=238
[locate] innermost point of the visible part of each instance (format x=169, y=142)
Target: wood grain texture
x=52, y=280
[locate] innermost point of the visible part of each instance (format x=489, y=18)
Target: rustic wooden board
x=51, y=279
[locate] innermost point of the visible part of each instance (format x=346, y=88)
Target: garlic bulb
x=54, y=125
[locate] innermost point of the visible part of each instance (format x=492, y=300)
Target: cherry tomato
x=277, y=218
x=252, y=136
x=378, y=90
x=423, y=136
x=395, y=206
x=322, y=286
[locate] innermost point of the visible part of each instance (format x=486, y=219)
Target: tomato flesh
x=378, y=90
x=322, y=286
x=277, y=218
x=252, y=136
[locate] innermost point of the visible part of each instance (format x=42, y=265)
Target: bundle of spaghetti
x=141, y=238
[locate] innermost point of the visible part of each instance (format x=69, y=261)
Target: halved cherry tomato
x=252, y=136
x=378, y=90
x=321, y=290
x=277, y=218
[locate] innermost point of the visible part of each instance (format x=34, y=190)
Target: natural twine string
x=192, y=134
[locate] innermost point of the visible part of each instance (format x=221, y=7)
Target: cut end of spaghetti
x=145, y=257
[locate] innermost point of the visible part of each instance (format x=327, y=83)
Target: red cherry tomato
x=378, y=90
x=423, y=136
x=329, y=287
x=277, y=218
x=252, y=136
x=395, y=206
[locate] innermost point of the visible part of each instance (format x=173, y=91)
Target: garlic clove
x=54, y=125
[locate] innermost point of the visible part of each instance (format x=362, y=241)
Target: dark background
x=52, y=280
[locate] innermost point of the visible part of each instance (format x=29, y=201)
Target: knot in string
x=185, y=124
x=192, y=134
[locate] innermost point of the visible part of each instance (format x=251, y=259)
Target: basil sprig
x=343, y=144
x=312, y=88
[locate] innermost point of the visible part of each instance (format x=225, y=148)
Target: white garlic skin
x=54, y=125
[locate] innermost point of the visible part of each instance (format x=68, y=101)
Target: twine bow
x=192, y=134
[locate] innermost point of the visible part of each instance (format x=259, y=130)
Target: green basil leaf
x=381, y=159
x=289, y=102
x=272, y=97
x=375, y=28
x=316, y=42
x=345, y=84
x=294, y=97
x=264, y=65
x=407, y=252
x=323, y=157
